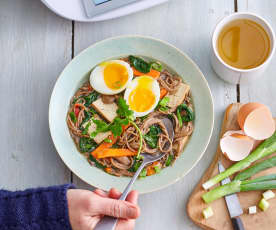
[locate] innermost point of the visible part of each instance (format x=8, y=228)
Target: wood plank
x=35, y=46
x=188, y=25
x=262, y=90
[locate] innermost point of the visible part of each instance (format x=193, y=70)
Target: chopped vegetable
x=264, y=205
x=73, y=117
x=156, y=66
x=150, y=171
x=152, y=136
x=144, y=117
x=104, y=145
x=90, y=98
x=169, y=160
x=117, y=126
x=268, y=195
x=207, y=212
x=107, y=140
x=97, y=164
x=152, y=73
x=252, y=210
x=157, y=168
x=143, y=173
x=189, y=114
x=162, y=105
x=136, y=164
x=247, y=173
x=264, y=149
x=139, y=64
x=87, y=144
x=163, y=92
x=108, y=170
x=114, y=153
x=237, y=186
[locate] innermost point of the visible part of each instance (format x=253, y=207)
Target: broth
x=243, y=44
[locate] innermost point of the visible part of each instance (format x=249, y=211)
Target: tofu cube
x=101, y=136
x=178, y=97
x=107, y=111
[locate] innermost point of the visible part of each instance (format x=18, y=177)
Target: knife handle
x=237, y=223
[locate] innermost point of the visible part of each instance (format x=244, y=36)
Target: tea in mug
x=243, y=44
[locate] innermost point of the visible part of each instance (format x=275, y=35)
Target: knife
x=233, y=204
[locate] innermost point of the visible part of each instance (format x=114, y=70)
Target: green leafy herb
x=101, y=127
x=123, y=110
x=143, y=173
x=97, y=164
x=73, y=117
x=87, y=144
x=85, y=131
x=157, y=169
x=90, y=98
x=116, y=127
x=87, y=117
x=144, y=117
x=152, y=136
x=156, y=66
x=139, y=64
x=169, y=160
x=190, y=116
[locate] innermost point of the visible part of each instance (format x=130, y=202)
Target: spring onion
x=247, y=173
x=268, y=195
x=73, y=117
x=264, y=149
x=252, y=210
x=237, y=186
x=207, y=212
x=264, y=205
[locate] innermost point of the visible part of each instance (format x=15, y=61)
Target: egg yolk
x=142, y=98
x=115, y=75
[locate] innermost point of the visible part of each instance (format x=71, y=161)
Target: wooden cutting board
x=221, y=219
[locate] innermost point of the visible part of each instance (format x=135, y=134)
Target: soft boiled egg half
x=111, y=77
x=142, y=95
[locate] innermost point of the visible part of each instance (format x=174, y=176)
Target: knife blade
x=232, y=203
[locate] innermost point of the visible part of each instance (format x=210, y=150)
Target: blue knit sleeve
x=35, y=209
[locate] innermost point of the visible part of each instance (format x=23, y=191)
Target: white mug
x=231, y=74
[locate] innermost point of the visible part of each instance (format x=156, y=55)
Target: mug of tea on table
x=242, y=47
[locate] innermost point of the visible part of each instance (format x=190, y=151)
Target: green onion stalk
x=261, y=183
x=264, y=149
x=140, y=138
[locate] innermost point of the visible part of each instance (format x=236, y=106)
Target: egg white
x=155, y=89
x=97, y=78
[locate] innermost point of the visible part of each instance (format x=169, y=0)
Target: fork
x=108, y=222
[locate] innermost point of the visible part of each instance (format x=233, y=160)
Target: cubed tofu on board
x=107, y=111
x=101, y=136
x=178, y=96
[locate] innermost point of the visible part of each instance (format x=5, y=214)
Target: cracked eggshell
x=256, y=121
x=235, y=145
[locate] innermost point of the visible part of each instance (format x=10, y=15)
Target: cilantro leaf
x=116, y=127
x=101, y=127
x=123, y=110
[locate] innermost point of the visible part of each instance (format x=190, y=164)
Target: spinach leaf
x=90, y=98
x=152, y=136
x=73, y=117
x=163, y=104
x=85, y=131
x=190, y=116
x=139, y=64
x=87, y=116
x=136, y=165
x=97, y=164
x=87, y=144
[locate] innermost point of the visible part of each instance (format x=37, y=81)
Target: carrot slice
x=106, y=145
x=108, y=169
x=114, y=153
x=153, y=73
x=150, y=171
x=163, y=92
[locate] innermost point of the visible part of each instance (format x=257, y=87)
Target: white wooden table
x=35, y=45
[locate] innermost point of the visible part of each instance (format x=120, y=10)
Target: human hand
x=86, y=208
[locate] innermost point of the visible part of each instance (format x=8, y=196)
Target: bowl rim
x=183, y=174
